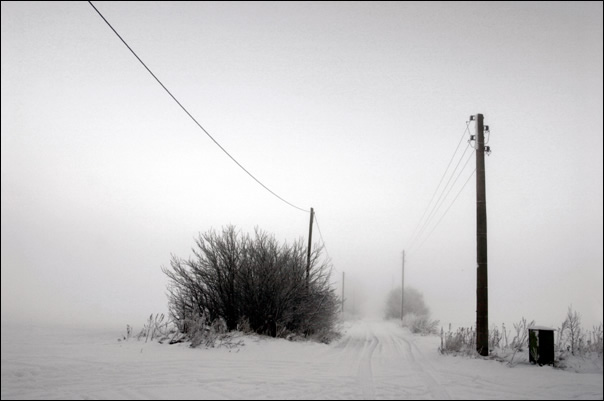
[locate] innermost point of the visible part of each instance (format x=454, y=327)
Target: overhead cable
x=191, y=116
x=419, y=223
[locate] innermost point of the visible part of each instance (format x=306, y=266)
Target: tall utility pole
x=482, y=288
x=403, y=287
x=312, y=217
x=342, y=292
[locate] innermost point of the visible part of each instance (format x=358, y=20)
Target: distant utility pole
x=482, y=288
x=342, y=292
x=312, y=217
x=403, y=287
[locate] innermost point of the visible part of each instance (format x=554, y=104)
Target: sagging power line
x=419, y=223
x=321, y=236
x=445, y=192
x=446, y=211
x=191, y=116
x=433, y=206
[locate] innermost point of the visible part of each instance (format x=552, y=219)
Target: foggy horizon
x=353, y=109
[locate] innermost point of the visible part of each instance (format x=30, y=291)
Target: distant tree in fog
x=414, y=303
x=416, y=315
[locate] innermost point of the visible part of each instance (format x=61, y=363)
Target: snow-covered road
x=386, y=363
x=373, y=360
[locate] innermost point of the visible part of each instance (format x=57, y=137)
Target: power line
x=189, y=114
x=438, y=200
x=455, y=180
x=331, y=265
x=322, y=240
x=445, y=213
x=448, y=189
x=413, y=237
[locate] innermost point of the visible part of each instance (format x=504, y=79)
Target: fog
x=353, y=109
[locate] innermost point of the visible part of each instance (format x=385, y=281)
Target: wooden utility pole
x=403, y=287
x=342, y=292
x=482, y=289
x=312, y=217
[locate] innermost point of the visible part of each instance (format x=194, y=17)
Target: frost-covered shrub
x=575, y=348
x=421, y=324
x=157, y=327
x=463, y=341
x=416, y=314
x=255, y=280
x=575, y=340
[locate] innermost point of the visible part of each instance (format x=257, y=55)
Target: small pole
x=403, y=287
x=312, y=217
x=342, y=292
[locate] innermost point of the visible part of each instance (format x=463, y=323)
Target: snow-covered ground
x=373, y=359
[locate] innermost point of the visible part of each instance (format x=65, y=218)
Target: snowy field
x=373, y=360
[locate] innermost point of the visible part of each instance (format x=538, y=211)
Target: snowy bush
x=462, y=341
x=594, y=340
x=573, y=340
x=326, y=336
x=251, y=281
x=416, y=314
x=202, y=333
x=575, y=348
x=420, y=324
x=520, y=339
x=570, y=335
x=156, y=328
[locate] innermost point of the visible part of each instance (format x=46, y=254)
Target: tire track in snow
x=423, y=368
x=384, y=364
x=352, y=360
x=365, y=367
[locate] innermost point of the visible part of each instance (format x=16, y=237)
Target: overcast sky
x=354, y=109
